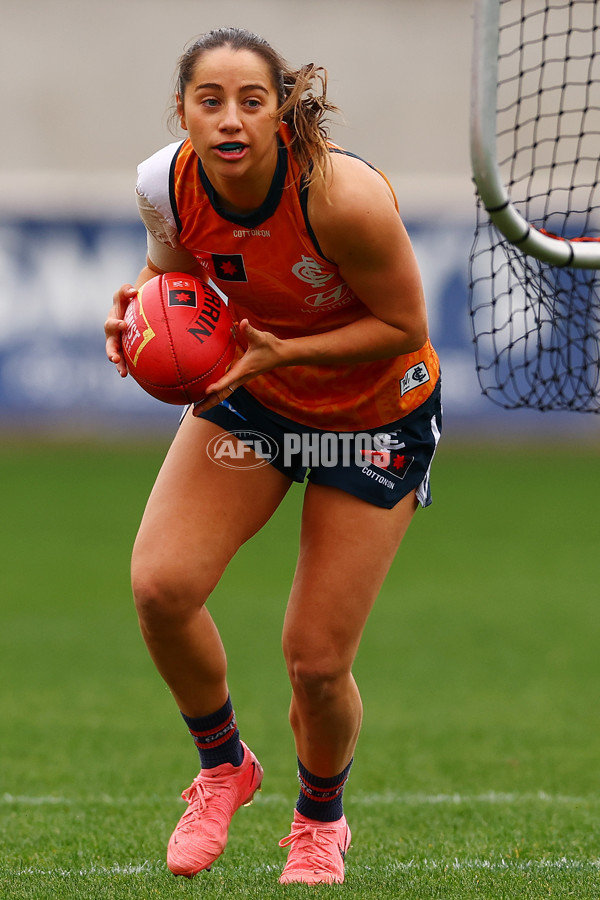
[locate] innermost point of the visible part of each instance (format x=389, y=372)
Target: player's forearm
x=365, y=340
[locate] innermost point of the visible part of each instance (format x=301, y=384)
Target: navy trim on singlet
x=304, y=186
x=172, y=197
x=354, y=156
x=303, y=195
x=266, y=210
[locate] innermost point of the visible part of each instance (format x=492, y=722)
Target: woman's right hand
x=115, y=326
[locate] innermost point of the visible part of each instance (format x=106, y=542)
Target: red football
x=180, y=337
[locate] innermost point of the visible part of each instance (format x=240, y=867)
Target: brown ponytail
x=305, y=109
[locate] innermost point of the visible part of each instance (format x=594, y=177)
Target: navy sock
x=321, y=798
x=217, y=737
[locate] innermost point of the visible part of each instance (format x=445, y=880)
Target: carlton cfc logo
x=309, y=270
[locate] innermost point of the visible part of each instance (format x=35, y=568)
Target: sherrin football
x=180, y=338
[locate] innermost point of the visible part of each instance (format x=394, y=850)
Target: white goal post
x=494, y=196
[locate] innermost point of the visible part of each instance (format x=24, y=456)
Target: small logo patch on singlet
x=414, y=378
x=229, y=267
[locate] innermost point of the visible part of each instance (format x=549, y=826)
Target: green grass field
x=477, y=773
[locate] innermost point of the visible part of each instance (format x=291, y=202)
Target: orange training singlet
x=269, y=264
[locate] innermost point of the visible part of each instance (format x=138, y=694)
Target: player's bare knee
x=316, y=678
x=166, y=598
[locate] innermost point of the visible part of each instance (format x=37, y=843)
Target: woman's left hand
x=262, y=354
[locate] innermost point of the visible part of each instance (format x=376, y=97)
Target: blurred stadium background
x=85, y=92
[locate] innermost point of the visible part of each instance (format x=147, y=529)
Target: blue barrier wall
x=56, y=283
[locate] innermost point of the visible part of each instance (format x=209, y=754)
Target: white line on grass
x=144, y=868
x=387, y=798
x=519, y=865
x=563, y=864
x=100, y=799
x=494, y=798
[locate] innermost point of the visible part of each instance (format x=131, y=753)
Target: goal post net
x=535, y=151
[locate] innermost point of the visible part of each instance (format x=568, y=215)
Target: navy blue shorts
x=380, y=465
